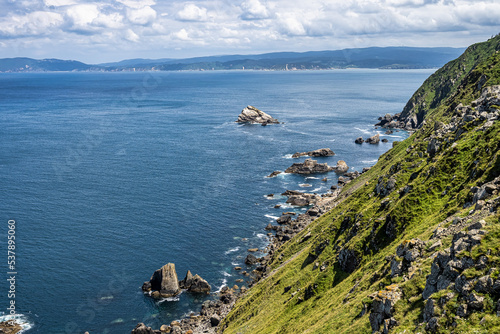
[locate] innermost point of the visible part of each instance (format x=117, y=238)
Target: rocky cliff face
x=411, y=245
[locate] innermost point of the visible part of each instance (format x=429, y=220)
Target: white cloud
x=32, y=24
x=131, y=36
x=143, y=16
x=137, y=4
x=59, y=3
x=254, y=10
x=182, y=35
x=191, y=12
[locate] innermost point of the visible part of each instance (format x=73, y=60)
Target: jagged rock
x=348, y=260
x=309, y=166
x=409, y=251
x=253, y=115
x=275, y=173
x=187, y=281
x=165, y=281
x=383, y=306
x=9, y=327
x=432, y=325
x=143, y=329
x=433, y=146
x=322, y=152
x=251, y=259
x=197, y=284
x=214, y=320
x=389, y=324
x=284, y=219
x=384, y=188
x=359, y=140
x=341, y=167
x=373, y=140
x=429, y=309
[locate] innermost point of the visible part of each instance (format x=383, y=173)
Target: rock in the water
x=9, y=327
x=186, y=282
x=385, y=140
x=253, y=115
x=322, y=152
x=275, y=173
x=359, y=140
x=165, y=280
x=142, y=329
x=251, y=259
x=309, y=166
x=373, y=140
x=199, y=285
x=341, y=167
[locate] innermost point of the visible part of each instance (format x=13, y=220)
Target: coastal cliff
x=411, y=244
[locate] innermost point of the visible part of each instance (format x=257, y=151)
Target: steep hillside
x=444, y=83
x=414, y=243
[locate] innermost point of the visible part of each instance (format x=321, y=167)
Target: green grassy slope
x=328, y=283
x=445, y=82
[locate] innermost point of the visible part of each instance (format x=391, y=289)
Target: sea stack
x=164, y=281
x=253, y=115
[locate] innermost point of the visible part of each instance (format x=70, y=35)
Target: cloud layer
x=106, y=30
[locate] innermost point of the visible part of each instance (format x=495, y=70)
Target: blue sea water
x=109, y=176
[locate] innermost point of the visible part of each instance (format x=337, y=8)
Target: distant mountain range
x=374, y=57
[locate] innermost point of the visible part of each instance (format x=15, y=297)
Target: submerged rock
x=275, y=173
x=253, y=115
x=143, y=329
x=322, y=152
x=309, y=166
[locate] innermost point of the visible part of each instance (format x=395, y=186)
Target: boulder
x=322, y=152
x=309, y=166
x=284, y=219
x=187, y=281
x=165, y=280
x=253, y=115
x=199, y=285
x=373, y=140
x=341, y=167
x=359, y=140
x=143, y=329
x=251, y=259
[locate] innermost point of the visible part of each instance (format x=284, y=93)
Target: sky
x=112, y=30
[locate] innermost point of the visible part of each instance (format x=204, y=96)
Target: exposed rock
x=284, y=219
x=385, y=140
x=373, y=140
x=382, y=307
x=143, y=329
x=341, y=167
x=251, y=259
x=309, y=166
x=408, y=251
x=165, y=281
x=187, y=281
x=196, y=284
x=10, y=327
x=359, y=140
x=322, y=152
x=348, y=260
x=274, y=174
x=253, y=115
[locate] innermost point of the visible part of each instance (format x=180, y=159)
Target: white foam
x=287, y=156
x=234, y=263
x=369, y=161
x=272, y=217
x=226, y=274
x=261, y=235
x=312, y=178
x=224, y=283
x=316, y=190
x=365, y=131
x=169, y=299
x=20, y=319
x=232, y=250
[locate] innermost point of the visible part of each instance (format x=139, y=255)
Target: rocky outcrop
x=274, y=174
x=341, y=167
x=407, y=252
x=322, y=152
x=309, y=166
x=298, y=198
x=373, y=140
x=253, y=115
x=10, y=327
x=194, y=284
x=164, y=282
x=382, y=308
x=143, y=329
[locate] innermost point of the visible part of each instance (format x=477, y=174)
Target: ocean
x=109, y=176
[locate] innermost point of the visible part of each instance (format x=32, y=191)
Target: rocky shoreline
x=287, y=226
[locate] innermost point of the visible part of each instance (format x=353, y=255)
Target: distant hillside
x=389, y=57
x=34, y=65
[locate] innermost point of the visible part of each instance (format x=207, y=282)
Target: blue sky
x=109, y=30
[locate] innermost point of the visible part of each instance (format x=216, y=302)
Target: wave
x=169, y=299
x=271, y=216
x=369, y=161
x=365, y=131
x=20, y=319
x=287, y=156
x=223, y=284
x=312, y=178
x=316, y=190
x=226, y=274
x=232, y=250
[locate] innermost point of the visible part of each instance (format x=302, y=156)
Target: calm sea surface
x=109, y=176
